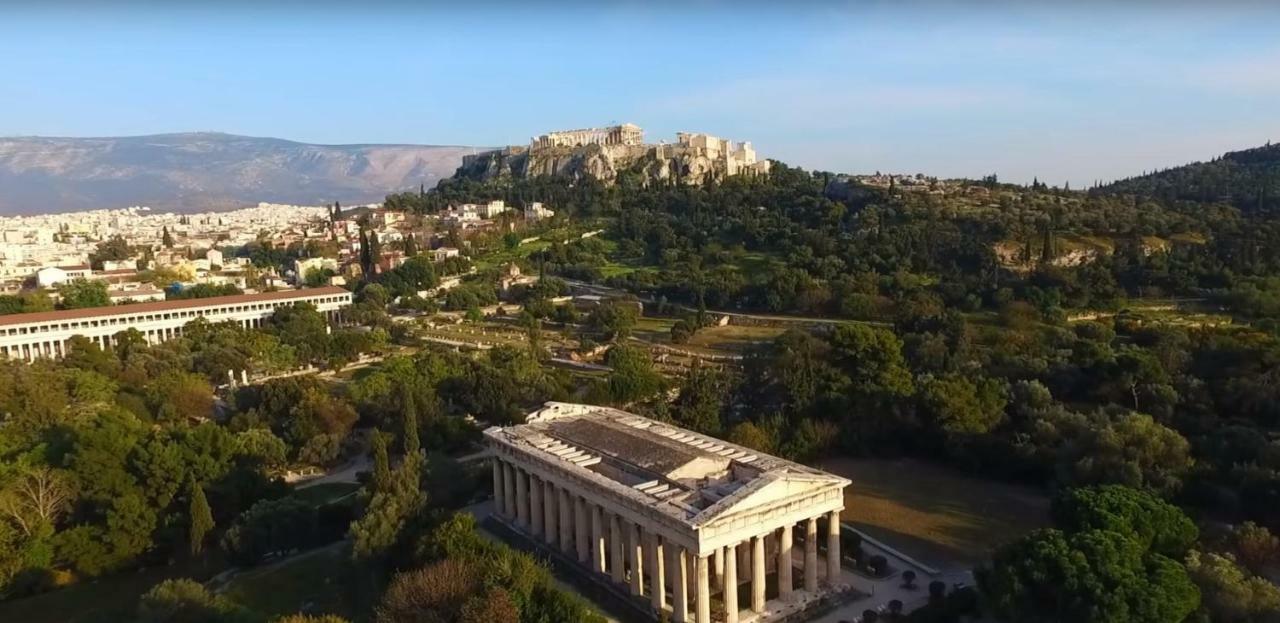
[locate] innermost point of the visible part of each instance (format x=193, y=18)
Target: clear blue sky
x=1021, y=89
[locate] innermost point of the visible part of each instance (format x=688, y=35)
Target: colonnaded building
x=681, y=518
x=45, y=334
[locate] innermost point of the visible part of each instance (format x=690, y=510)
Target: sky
x=1066, y=92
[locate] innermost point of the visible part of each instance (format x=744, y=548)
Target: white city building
x=675, y=516
x=45, y=334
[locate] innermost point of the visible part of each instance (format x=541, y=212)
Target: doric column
x=731, y=585
x=718, y=569
x=535, y=505
x=549, y=512
x=704, y=591
x=581, y=528
x=679, y=584
x=509, y=490
x=653, y=562
x=833, y=547
x=811, y=555
x=784, y=563
x=599, y=549
x=635, y=551
x=757, y=574
x=566, y=521
x=617, y=545
x=522, y=498
x=498, y=503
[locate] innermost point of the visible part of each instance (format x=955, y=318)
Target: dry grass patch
x=940, y=516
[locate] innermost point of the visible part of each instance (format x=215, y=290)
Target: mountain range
x=207, y=171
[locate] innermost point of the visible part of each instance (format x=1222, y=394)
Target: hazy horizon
x=1082, y=93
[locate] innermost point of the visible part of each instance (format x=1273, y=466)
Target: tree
x=1159, y=526
x=81, y=293
x=166, y=238
x=1231, y=594
x=1256, y=547
x=36, y=498
x=751, y=435
x=179, y=396
x=269, y=527
x=410, y=245
x=201, y=518
x=381, y=477
x=1130, y=449
x=410, y=423
x=390, y=510
x=701, y=400
x=263, y=447
x=187, y=601
x=436, y=592
x=962, y=406
x=633, y=376
x=613, y=320
x=1099, y=576
x=909, y=579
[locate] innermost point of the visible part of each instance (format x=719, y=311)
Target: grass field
x=313, y=582
x=734, y=338
x=942, y=517
x=106, y=600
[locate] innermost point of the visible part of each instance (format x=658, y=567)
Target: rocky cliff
x=201, y=171
x=649, y=163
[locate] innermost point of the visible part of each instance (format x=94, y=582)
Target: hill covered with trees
x=1249, y=179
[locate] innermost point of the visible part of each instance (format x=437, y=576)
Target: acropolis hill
x=609, y=152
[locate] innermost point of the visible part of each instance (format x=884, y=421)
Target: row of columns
x=673, y=578
x=57, y=348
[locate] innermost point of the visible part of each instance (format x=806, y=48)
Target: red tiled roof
x=159, y=306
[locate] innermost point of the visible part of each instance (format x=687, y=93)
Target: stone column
x=757, y=574
x=535, y=505
x=566, y=521
x=731, y=585
x=811, y=555
x=549, y=512
x=581, y=527
x=617, y=544
x=784, y=563
x=653, y=562
x=679, y=584
x=509, y=490
x=704, y=591
x=833, y=547
x=498, y=504
x=522, y=498
x=718, y=579
x=635, y=551
x=599, y=550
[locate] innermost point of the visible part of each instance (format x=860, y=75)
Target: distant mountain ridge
x=207, y=171
x=1248, y=179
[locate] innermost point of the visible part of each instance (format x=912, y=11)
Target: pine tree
x=411, y=443
x=381, y=463
x=166, y=239
x=201, y=518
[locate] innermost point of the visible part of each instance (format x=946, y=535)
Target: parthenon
x=682, y=519
x=625, y=134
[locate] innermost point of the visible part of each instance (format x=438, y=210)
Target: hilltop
x=204, y=170
x=1248, y=179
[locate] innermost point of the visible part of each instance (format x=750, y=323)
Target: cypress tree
x=166, y=238
x=201, y=518
x=410, y=246
x=381, y=464
x=411, y=443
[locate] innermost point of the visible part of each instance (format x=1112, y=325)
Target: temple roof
x=686, y=475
